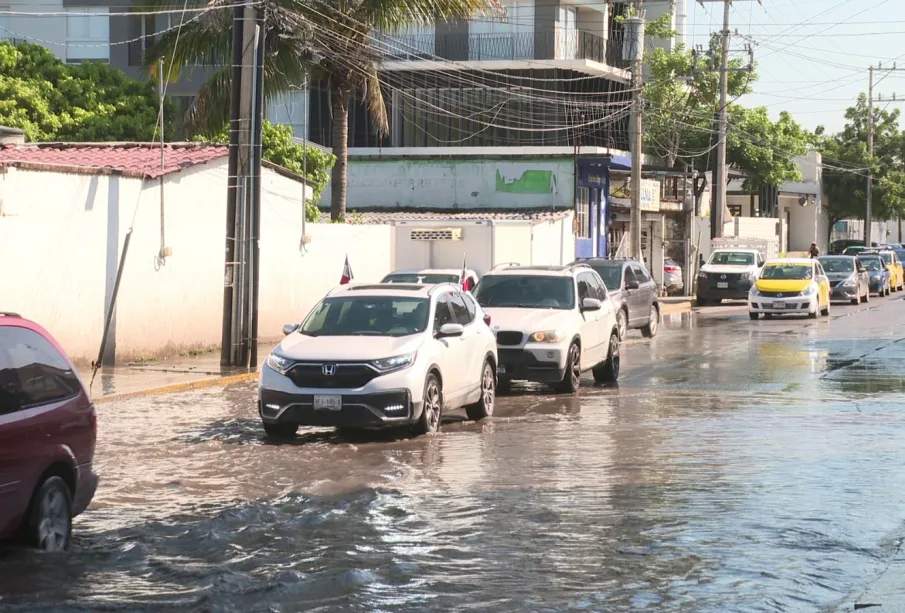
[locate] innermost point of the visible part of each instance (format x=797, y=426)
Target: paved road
x=738, y=466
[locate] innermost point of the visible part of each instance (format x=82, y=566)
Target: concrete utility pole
x=633, y=51
x=870, y=152
x=721, y=171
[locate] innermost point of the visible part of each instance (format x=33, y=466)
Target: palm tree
x=319, y=40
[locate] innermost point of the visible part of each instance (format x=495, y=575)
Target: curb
x=675, y=309
x=180, y=387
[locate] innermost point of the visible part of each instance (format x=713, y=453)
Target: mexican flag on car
x=347, y=273
x=466, y=281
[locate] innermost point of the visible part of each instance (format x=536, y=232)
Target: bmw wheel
x=571, y=379
x=608, y=372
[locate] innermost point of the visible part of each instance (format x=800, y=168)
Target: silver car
x=849, y=279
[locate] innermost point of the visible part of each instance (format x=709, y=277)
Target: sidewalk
x=887, y=593
x=176, y=374
x=674, y=305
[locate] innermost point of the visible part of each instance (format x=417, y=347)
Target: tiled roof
x=382, y=217
x=141, y=160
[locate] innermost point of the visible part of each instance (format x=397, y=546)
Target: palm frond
x=373, y=96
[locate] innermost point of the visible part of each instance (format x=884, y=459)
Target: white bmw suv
x=371, y=356
x=552, y=323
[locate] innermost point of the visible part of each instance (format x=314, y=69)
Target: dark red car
x=48, y=429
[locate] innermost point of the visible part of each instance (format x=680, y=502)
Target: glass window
x=788, y=271
x=585, y=289
x=87, y=33
x=640, y=273
x=37, y=374
x=611, y=273
x=442, y=314
x=583, y=208
x=597, y=288
x=842, y=264
x=731, y=258
x=460, y=311
x=629, y=275
x=873, y=264
x=526, y=291
x=367, y=316
x=470, y=304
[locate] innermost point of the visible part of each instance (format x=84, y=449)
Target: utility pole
x=870, y=152
x=633, y=51
x=721, y=172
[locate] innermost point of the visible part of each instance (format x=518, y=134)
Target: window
x=35, y=372
x=598, y=289
x=583, y=207
x=367, y=316
x=640, y=273
x=611, y=273
x=87, y=34
x=526, y=291
x=731, y=258
x=470, y=305
x=442, y=314
x=585, y=289
x=460, y=311
x=629, y=276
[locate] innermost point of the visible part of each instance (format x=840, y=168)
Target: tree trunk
x=340, y=106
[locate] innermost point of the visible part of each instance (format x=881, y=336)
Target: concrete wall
x=459, y=184
x=806, y=224
x=47, y=31
x=61, y=237
x=552, y=242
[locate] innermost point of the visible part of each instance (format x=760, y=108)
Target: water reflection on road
x=743, y=466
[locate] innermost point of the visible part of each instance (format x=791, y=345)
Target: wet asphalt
x=738, y=466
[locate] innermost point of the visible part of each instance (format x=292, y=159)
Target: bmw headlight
x=395, y=363
x=810, y=290
x=548, y=336
x=279, y=363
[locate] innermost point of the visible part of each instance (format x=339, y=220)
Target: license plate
x=779, y=305
x=722, y=285
x=328, y=403
x=501, y=370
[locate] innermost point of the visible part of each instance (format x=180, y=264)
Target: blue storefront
x=592, y=195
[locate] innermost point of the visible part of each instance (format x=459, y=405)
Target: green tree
x=337, y=34
x=54, y=101
x=681, y=104
x=278, y=148
x=846, y=162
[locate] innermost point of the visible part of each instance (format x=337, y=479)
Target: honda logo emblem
x=329, y=369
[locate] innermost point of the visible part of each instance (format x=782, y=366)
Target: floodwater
x=739, y=466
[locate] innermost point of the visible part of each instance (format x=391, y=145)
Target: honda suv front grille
x=329, y=375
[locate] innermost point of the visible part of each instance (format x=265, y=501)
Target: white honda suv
x=371, y=356
x=552, y=323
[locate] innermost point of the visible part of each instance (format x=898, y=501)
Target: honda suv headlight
x=548, y=336
x=395, y=363
x=279, y=363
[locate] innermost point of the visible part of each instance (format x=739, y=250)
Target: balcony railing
x=574, y=45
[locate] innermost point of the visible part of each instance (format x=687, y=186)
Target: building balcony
x=507, y=46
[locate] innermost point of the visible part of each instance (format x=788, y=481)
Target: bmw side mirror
x=447, y=330
x=290, y=328
x=590, y=304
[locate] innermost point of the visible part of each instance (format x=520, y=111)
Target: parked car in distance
x=728, y=274
x=879, y=276
x=854, y=250
x=895, y=266
x=381, y=355
x=673, y=280
x=552, y=323
x=633, y=292
x=48, y=429
x=793, y=286
x=838, y=247
x=849, y=279
x=431, y=276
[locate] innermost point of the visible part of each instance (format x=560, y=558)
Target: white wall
x=61, y=237
x=552, y=242
x=477, y=243
x=451, y=184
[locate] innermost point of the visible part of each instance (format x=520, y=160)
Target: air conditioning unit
x=436, y=234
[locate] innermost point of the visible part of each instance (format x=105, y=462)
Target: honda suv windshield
x=526, y=291
x=368, y=316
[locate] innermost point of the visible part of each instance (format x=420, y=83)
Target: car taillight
x=487, y=319
x=671, y=269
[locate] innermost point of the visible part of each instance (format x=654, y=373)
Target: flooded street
x=739, y=466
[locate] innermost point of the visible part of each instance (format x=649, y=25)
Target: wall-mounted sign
x=650, y=195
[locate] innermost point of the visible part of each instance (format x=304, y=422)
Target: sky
x=813, y=55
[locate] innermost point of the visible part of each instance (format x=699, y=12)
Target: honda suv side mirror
x=590, y=304
x=451, y=330
x=290, y=328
